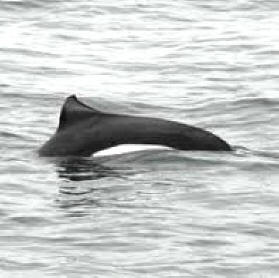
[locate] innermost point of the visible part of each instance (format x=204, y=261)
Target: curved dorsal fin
x=73, y=111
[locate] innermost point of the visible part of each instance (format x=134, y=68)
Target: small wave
x=7, y=134
x=256, y=101
x=21, y=4
x=27, y=52
x=4, y=85
x=243, y=102
x=30, y=220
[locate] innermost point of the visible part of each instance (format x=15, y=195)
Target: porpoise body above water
x=83, y=131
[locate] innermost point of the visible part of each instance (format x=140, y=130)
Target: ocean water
x=144, y=212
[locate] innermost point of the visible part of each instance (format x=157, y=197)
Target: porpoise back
x=83, y=130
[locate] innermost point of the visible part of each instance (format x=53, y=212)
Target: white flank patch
x=127, y=148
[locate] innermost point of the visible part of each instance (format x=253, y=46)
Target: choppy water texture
x=150, y=213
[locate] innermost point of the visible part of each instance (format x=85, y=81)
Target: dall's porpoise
x=84, y=130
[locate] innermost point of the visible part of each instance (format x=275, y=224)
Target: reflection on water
x=78, y=199
x=81, y=169
x=89, y=190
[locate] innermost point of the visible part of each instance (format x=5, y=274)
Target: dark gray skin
x=84, y=130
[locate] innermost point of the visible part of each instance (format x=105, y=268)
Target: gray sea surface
x=144, y=213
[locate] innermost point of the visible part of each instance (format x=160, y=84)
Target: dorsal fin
x=73, y=111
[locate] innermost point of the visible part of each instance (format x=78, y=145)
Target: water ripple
x=159, y=213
